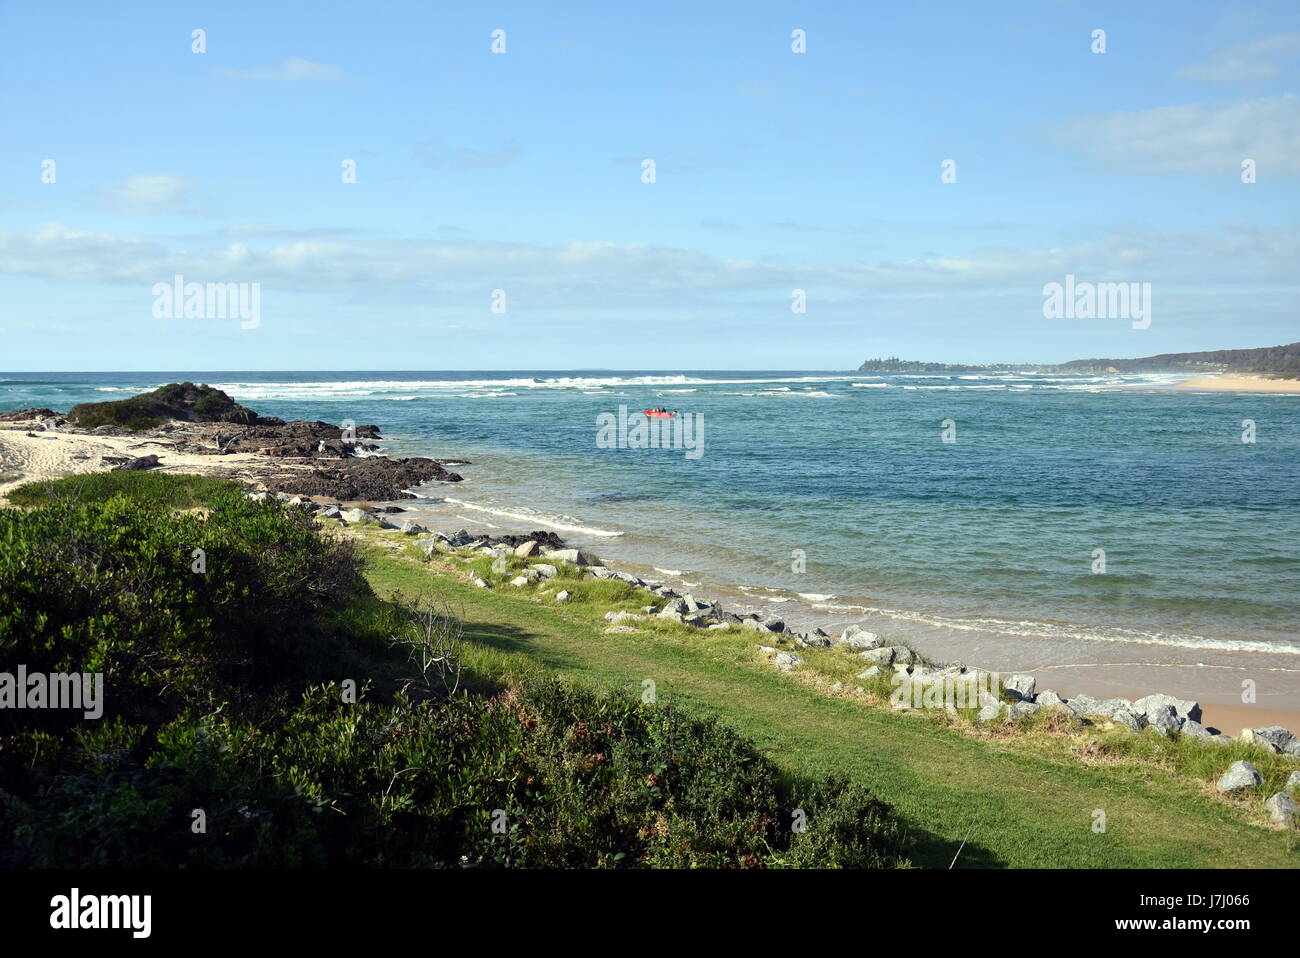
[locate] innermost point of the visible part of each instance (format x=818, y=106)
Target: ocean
x=834, y=497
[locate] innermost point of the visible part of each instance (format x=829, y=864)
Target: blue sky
x=522, y=171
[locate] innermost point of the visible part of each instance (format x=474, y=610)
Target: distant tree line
x=1279, y=361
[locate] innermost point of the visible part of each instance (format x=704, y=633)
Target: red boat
x=660, y=413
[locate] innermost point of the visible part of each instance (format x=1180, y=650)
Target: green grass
x=1031, y=795
x=148, y=488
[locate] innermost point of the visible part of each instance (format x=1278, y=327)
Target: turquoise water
x=989, y=539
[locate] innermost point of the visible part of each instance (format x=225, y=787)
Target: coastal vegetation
x=174, y=401
x=258, y=714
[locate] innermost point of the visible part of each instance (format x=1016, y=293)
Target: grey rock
x=670, y=615
x=1087, y=705
x=1021, y=684
x=1163, y=719
x=617, y=617
x=1239, y=775
x=499, y=566
x=525, y=549
x=1193, y=729
x=1183, y=708
x=990, y=707
x=358, y=515
x=902, y=654
x=808, y=640
x=411, y=528
x=545, y=570
x=573, y=556
x=519, y=580
x=1283, y=808
x=1275, y=738
x=1016, y=709
x=1129, y=719
x=870, y=672
x=329, y=512
x=1293, y=782
x=859, y=638
x=883, y=656
x=564, y=595
x=480, y=583
x=1049, y=699
x=786, y=661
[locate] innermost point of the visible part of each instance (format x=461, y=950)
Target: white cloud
x=293, y=69
x=1193, y=138
x=148, y=193
x=1247, y=62
x=604, y=275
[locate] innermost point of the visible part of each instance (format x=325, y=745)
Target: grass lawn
x=1031, y=796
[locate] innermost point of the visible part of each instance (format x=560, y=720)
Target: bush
x=110, y=587
x=184, y=401
x=157, y=489
x=570, y=778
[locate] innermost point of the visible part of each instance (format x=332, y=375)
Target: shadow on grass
x=927, y=850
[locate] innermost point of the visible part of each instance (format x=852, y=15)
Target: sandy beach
x=1242, y=384
x=30, y=455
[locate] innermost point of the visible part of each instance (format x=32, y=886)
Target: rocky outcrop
x=371, y=479
x=184, y=402
x=32, y=414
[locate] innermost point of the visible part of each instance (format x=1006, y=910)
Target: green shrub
x=184, y=401
x=582, y=780
x=109, y=587
x=145, y=488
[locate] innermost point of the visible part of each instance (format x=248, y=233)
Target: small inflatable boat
x=660, y=413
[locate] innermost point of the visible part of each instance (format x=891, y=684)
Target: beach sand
x=32, y=458
x=1244, y=384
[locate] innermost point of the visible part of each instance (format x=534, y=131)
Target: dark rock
x=372, y=479
x=27, y=415
x=138, y=464
x=549, y=539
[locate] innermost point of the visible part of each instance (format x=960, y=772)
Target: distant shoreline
x=1242, y=383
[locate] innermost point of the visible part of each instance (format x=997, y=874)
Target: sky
x=501, y=216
